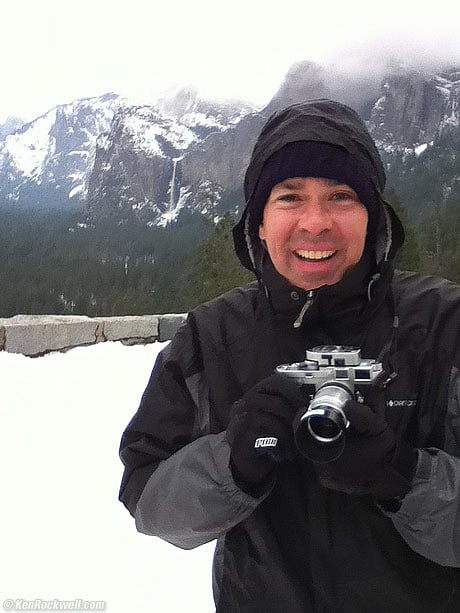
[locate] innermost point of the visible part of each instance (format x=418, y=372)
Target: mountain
x=9, y=126
x=416, y=125
x=308, y=80
x=413, y=115
x=47, y=162
x=183, y=154
x=415, y=109
x=150, y=165
x=140, y=187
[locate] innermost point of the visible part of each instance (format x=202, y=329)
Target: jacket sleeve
x=177, y=482
x=191, y=497
x=429, y=517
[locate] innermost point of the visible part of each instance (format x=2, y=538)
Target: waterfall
x=172, y=187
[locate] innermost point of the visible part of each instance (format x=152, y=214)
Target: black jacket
x=302, y=547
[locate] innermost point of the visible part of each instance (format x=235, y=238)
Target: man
x=211, y=452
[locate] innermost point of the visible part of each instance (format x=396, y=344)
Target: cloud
x=243, y=50
x=431, y=49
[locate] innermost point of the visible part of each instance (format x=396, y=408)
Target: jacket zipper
x=306, y=306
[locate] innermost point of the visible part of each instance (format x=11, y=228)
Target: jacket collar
x=357, y=295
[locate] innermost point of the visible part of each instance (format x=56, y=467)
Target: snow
x=171, y=214
x=145, y=125
x=30, y=149
x=380, y=104
x=64, y=534
x=180, y=136
x=420, y=149
x=444, y=90
x=79, y=189
x=78, y=153
x=144, y=134
x=31, y=153
x=191, y=120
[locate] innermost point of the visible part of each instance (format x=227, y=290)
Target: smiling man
x=211, y=452
x=314, y=230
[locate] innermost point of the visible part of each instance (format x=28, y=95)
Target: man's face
x=314, y=230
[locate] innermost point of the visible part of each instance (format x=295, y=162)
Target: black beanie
x=317, y=160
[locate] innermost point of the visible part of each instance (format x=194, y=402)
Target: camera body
x=333, y=370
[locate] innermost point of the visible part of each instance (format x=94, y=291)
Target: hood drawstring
x=373, y=280
x=247, y=238
x=389, y=234
x=306, y=306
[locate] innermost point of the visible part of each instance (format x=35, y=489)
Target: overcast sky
x=54, y=51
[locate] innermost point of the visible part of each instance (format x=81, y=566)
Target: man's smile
x=314, y=255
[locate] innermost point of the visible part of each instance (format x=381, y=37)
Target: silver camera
x=334, y=371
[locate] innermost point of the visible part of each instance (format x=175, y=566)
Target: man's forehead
x=296, y=182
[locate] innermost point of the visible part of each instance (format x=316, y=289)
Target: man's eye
x=343, y=196
x=287, y=197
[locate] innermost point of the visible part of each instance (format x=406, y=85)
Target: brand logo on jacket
x=401, y=403
x=266, y=441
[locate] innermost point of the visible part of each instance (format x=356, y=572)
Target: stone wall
x=35, y=335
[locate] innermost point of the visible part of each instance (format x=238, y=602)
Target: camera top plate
x=334, y=355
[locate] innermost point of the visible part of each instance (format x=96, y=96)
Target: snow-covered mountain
x=139, y=168
x=408, y=112
x=48, y=161
x=415, y=109
x=181, y=153
x=110, y=154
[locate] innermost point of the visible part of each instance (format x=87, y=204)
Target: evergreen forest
x=58, y=263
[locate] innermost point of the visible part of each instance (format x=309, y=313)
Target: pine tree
x=408, y=258
x=215, y=267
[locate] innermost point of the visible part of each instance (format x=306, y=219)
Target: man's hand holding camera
x=353, y=448
x=372, y=462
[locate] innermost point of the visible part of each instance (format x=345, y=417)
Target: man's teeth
x=315, y=255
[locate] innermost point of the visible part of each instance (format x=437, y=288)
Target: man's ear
x=262, y=232
x=262, y=237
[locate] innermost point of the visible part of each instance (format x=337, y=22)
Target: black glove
x=373, y=462
x=260, y=432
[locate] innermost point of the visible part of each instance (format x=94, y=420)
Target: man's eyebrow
x=295, y=183
x=289, y=184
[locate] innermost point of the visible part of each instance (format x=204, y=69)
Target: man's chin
x=311, y=283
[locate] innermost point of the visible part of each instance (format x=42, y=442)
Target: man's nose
x=315, y=218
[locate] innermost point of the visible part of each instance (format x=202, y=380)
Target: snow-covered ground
x=63, y=533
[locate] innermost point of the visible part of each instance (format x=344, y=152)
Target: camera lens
x=319, y=429
x=324, y=428
x=319, y=433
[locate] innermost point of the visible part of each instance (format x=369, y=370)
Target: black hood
x=323, y=121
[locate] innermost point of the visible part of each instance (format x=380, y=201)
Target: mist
x=240, y=52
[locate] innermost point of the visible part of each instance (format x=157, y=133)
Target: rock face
x=48, y=161
x=157, y=160
x=303, y=81
x=406, y=113
x=217, y=166
x=10, y=126
x=130, y=173
x=307, y=80
x=416, y=109
x=183, y=153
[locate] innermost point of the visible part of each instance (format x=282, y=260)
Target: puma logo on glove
x=266, y=441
